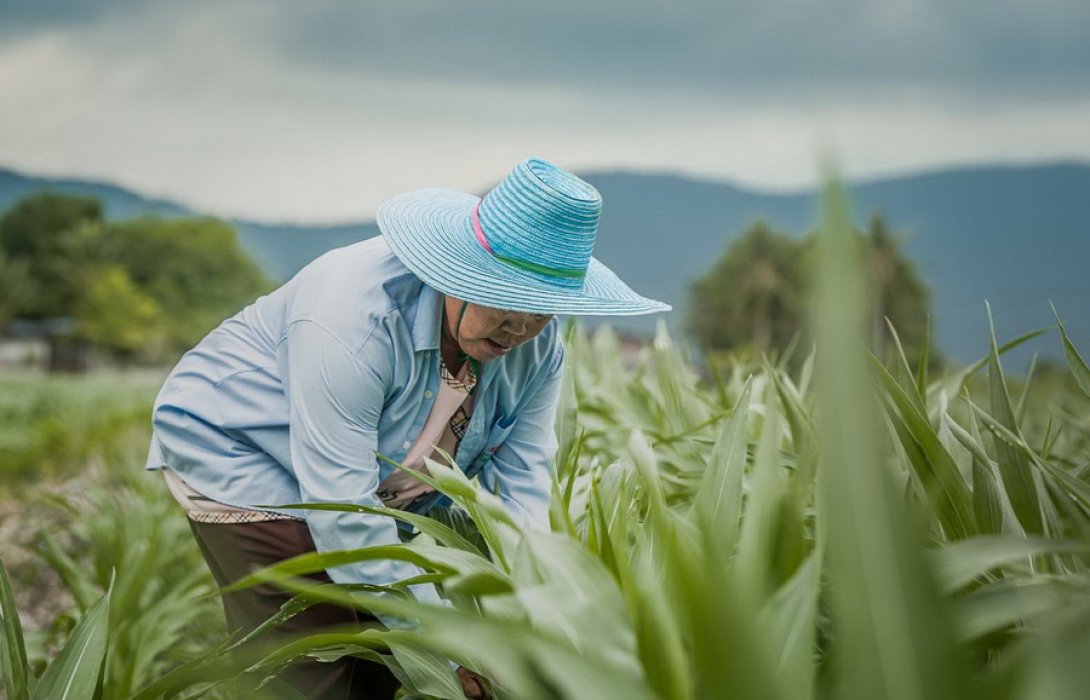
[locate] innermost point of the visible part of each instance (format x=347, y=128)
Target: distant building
x=23, y=352
x=44, y=344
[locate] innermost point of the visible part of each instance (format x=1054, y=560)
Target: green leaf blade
x=75, y=673
x=16, y=672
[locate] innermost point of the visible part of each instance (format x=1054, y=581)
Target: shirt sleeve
x=521, y=468
x=336, y=396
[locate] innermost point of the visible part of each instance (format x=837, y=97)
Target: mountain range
x=1016, y=236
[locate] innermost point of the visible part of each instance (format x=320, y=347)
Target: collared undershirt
x=444, y=429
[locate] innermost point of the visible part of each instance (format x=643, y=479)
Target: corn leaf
x=717, y=506
x=958, y=564
x=436, y=529
x=76, y=672
x=893, y=637
x=1074, y=360
x=1013, y=466
x=17, y=677
x=443, y=560
x=1005, y=604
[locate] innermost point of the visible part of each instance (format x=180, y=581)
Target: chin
x=481, y=356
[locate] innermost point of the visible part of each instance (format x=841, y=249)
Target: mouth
x=496, y=348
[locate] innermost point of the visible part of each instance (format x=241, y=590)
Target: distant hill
x=1017, y=236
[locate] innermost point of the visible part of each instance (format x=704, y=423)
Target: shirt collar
x=429, y=312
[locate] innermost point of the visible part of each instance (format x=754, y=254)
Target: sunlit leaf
x=76, y=672
x=1074, y=360
x=17, y=677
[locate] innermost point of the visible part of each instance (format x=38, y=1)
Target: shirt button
x=406, y=445
x=427, y=393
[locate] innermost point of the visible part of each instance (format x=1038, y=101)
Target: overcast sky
x=318, y=110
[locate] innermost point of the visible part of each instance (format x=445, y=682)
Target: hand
x=473, y=685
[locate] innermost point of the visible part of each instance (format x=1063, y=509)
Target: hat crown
x=545, y=216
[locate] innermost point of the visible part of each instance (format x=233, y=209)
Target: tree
x=193, y=268
x=752, y=297
x=110, y=311
x=60, y=259
x=32, y=231
x=15, y=288
x=897, y=292
x=116, y=315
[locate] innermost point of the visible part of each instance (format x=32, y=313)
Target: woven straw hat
x=525, y=247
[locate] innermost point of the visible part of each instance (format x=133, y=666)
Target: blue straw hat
x=525, y=247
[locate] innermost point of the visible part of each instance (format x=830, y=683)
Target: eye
x=509, y=314
x=536, y=318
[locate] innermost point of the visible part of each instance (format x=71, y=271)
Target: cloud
x=320, y=110
x=764, y=48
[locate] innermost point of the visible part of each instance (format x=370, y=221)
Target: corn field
x=855, y=529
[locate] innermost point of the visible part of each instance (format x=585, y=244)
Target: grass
x=79, y=503
x=51, y=425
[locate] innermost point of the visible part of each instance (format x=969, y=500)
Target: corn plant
x=119, y=529
x=75, y=673
x=163, y=611
x=857, y=530
x=51, y=425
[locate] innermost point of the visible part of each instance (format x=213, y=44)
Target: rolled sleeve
x=335, y=396
x=521, y=468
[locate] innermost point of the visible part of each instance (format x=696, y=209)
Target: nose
x=515, y=325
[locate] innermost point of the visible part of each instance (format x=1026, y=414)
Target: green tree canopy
x=754, y=297
x=59, y=258
x=31, y=233
x=15, y=288
x=117, y=315
x=193, y=268
x=897, y=293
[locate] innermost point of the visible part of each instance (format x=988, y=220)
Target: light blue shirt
x=289, y=400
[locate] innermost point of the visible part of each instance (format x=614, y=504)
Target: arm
x=520, y=468
x=336, y=398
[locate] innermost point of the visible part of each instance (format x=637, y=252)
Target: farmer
x=441, y=332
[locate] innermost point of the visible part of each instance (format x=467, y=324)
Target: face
x=486, y=333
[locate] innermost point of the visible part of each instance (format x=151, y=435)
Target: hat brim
x=431, y=232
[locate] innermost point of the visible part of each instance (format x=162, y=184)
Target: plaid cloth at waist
x=202, y=509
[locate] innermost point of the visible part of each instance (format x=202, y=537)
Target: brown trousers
x=235, y=550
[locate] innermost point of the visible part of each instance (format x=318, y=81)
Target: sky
x=317, y=111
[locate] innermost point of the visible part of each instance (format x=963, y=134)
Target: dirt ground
x=39, y=595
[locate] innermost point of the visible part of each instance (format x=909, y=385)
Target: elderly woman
x=442, y=333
